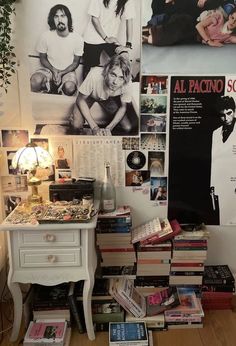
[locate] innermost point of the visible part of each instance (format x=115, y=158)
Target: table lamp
x=28, y=159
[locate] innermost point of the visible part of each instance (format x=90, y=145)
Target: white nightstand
x=50, y=254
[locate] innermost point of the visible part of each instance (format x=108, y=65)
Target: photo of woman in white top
x=102, y=31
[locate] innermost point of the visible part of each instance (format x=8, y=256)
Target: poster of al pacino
x=202, y=150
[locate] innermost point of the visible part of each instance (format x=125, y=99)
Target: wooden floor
x=219, y=330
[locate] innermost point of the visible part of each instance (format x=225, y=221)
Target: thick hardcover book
x=74, y=308
x=46, y=332
x=106, y=311
x=146, y=230
x=218, y=274
x=169, y=231
x=128, y=333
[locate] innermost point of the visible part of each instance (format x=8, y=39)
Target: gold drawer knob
x=49, y=237
x=52, y=258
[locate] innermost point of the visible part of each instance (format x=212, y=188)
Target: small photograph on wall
x=153, y=104
x=151, y=84
x=12, y=171
x=153, y=123
x=72, y=64
x=137, y=178
x=61, y=151
x=184, y=36
x=156, y=163
x=130, y=143
x=15, y=138
x=153, y=141
x=158, y=189
x=40, y=142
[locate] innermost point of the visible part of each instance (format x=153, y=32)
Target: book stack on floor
x=154, y=247
x=104, y=308
x=149, y=309
x=218, y=287
x=48, y=332
x=188, y=258
x=51, y=301
x=113, y=234
x=154, y=259
x=188, y=314
x=51, y=315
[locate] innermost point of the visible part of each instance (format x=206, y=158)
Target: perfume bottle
x=108, y=191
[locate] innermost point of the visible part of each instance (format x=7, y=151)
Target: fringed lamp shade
x=29, y=158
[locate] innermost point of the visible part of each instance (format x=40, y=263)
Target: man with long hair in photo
x=111, y=88
x=102, y=31
x=59, y=51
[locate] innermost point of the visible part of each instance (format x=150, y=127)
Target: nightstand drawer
x=50, y=258
x=47, y=238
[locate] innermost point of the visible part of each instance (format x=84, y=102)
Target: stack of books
x=113, y=234
x=188, y=314
x=155, y=323
x=218, y=287
x=104, y=308
x=154, y=259
x=104, y=312
x=154, y=248
x=138, y=305
x=188, y=258
x=56, y=302
x=47, y=332
x=51, y=302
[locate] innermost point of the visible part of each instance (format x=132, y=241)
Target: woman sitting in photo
x=213, y=30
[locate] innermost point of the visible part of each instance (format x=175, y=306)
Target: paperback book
x=218, y=274
x=128, y=333
x=168, y=231
x=46, y=332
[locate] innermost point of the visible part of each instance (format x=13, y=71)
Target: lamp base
x=35, y=199
x=34, y=182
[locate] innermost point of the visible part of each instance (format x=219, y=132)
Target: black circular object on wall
x=136, y=160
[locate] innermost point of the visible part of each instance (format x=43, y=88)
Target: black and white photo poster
x=80, y=67
x=202, y=150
